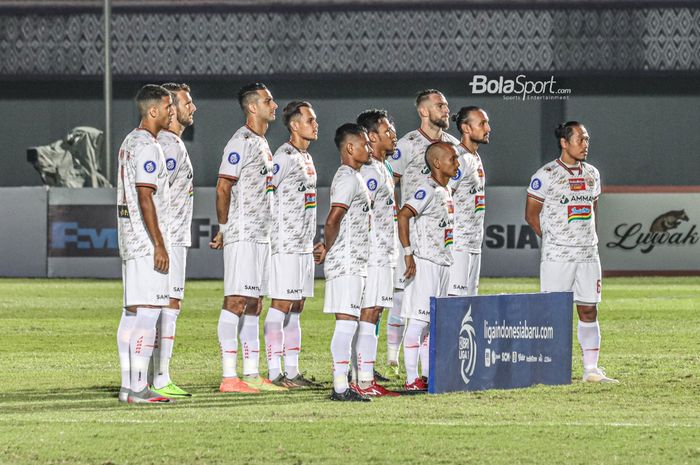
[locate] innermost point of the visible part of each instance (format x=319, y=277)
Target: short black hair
x=247, y=91
x=347, y=129
x=174, y=88
x=292, y=109
x=462, y=116
x=424, y=94
x=565, y=131
x=369, y=119
x=432, y=147
x=149, y=95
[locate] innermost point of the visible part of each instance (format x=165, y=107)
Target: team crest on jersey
x=579, y=213
x=458, y=175
x=372, y=184
x=275, y=168
x=419, y=195
x=309, y=200
x=396, y=155
x=170, y=163
x=536, y=184
x=234, y=158
x=449, y=238
x=149, y=166
x=479, y=203
x=480, y=172
x=577, y=184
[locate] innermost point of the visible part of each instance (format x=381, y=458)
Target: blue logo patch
x=170, y=163
x=420, y=194
x=458, y=175
x=234, y=158
x=396, y=155
x=149, y=166
x=275, y=168
x=536, y=184
x=372, y=184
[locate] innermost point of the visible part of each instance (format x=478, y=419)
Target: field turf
x=59, y=377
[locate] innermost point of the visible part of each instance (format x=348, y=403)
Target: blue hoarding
x=500, y=341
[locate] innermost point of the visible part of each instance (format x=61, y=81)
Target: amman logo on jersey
x=579, y=213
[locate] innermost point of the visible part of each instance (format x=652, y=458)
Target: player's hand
x=218, y=241
x=319, y=252
x=161, y=262
x=410, y=267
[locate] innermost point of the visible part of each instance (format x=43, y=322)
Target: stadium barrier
x=500, y=341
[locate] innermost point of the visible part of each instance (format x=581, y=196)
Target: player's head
x=573, y=140
x=256, y=100
x=182, y=101
x=299, y=118
x=353, y=143
x=441, y=157
x=432, y=108
x=473, y=122
x=155, y=105
x=380, y=130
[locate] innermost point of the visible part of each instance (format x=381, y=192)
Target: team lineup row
x=380, y=250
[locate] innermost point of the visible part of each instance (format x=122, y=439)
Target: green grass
x=59, y=376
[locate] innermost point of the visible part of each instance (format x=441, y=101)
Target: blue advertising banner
x=500, y=341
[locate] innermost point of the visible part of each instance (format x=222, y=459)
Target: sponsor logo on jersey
x=579, y=212
x=190, y=192
x=275, y=168
x=372, y=184
x=450, y=207
x=449, y=239
x=419, y=195
x=479, y=203
x=149, y=166
x=535, y=184
x=396, y=155
x=270, y=187
x=396, y=214
x=564, y=200
x=170, y=163
x=458, y=175
x=123, y=211
x=480, y=172
x=577, y=184
x=310, y=171
x=309, y=200
x=234, y=158
x=425, y=170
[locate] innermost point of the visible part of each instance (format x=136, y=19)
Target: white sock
x=341, y=346
x=589, y=339
x=366, y=351
x=126, y=326
x=411, y=347
x=250, y=341
x=228, y=341
x=394, y=329
x=166, y=341
x=141, y=346
x=353, y=359
x=274, y=340
x=292, y=344
x=425, y=353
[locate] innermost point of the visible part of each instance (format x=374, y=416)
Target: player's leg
x=459, y=274
x=440, y=279
x=395, y=324
x=416, y=308
x=126, y=327
x=284, y=278
x=474, y=273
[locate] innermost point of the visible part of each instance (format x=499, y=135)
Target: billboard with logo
x=500, y=341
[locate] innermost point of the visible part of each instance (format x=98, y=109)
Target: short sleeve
x=173, y=152
x=343, y=191
x=233, y=159
x=539, y=184
x=598, y=185
x=148, y=158
x=420, y=199
x=399, y=158
x=281, y=164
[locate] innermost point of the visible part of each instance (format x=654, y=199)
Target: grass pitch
x=59, y=377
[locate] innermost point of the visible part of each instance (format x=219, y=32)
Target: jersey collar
x=579, y=168
x=432, y=141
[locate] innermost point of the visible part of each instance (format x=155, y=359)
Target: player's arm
x=232, y=162
x=533, y=208
x=150, y=220
x=223, y=200
x=405, y=214
x=330, y=232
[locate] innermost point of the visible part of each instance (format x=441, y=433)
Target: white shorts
x=291, y=276
x=464, y=273
x=143, y=285
x=584, y=279
x=344, y=295
x=431, y=280
x=399, y=271
x=379, y=287
x=176, y=273
x=246, y=266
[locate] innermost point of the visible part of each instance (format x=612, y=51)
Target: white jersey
x=141, y=163
x=247, y=161
x=294, y=201
x=178, y=163
x=432, y=231
x=383, y=232
x=567, y=218
x=470, y=202
x=408, y=160
x=350, y=251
